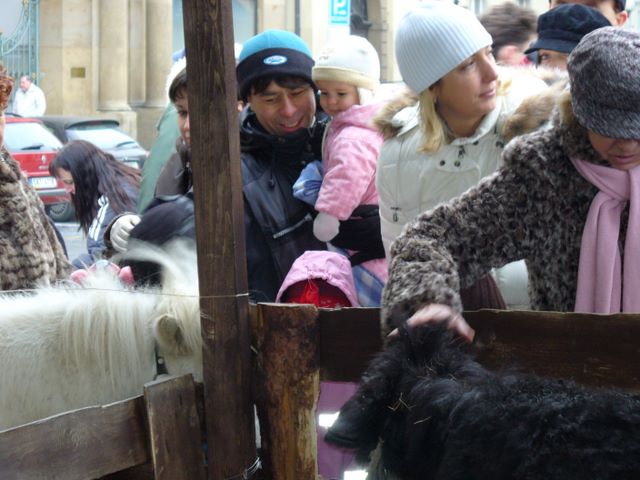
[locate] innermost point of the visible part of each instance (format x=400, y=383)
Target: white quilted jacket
x=410, y=182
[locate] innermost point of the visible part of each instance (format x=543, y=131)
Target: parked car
x=34, y=147
x=104, y=133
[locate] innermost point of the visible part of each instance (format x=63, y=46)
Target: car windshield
x=25, y=136
x=102, y=137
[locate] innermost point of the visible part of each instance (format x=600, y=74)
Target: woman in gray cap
x=567, y=200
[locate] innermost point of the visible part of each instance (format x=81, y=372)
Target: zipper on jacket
x=281, y=233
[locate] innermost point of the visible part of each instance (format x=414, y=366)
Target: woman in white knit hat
x=347, y=74
x=447, y=141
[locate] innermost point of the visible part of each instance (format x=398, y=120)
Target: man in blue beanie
x=280, y=133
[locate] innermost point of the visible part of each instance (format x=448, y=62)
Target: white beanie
x=351, y=60
x=433, y=39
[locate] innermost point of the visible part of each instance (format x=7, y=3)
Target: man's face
x=25, y=83
x=606, y=8
x=281, y=110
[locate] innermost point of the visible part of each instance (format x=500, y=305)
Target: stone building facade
x=111, y=57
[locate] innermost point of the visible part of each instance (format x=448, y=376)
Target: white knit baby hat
x=433, y=39
x=351, y=60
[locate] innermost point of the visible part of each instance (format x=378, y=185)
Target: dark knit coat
x=533, y=208
x=30, y=252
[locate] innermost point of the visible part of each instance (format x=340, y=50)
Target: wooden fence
x=161, y=434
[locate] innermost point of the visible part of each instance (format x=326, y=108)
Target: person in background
x=175, y=177
x=512, y=28
x=450, y=139
x=280, y=133
x=30, y=252
x=100, y=187
x=561, y=29
x=347, y=74
x=164, y=146
x=567, y=200
x=169, y=145
x=613, y=10
x=29, y=100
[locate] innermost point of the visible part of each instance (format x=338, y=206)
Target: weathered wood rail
x=155, y=435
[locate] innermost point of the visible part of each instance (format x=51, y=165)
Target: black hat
x=561, y=28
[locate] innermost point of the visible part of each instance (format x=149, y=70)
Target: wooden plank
x=79, y=445
x=287, y=384
x=208, y=27
x=596, y=350
x=174, y=429
x=349, y=338
x=139, y=472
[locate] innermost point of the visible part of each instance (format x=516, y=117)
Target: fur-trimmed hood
x=531, y=114
x=571, y=136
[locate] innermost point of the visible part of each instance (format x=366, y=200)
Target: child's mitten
x=325, y=226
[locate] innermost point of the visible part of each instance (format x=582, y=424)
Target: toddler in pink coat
x=347, y=75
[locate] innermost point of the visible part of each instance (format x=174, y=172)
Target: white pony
x=71, y=346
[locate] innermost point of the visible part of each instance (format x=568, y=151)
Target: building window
x=360, y=23
x=244, y=21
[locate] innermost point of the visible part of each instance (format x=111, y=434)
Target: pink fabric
x=349, y=158
x=125, y=274
x=331, y=267
x=605, y=285
x=379, y=268
x=333, y=461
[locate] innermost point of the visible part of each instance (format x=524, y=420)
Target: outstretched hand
x=121, y=230
x=440, y=313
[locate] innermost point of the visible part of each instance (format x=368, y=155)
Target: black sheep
x=438, y=414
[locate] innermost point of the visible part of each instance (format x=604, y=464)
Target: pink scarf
x=602, y=279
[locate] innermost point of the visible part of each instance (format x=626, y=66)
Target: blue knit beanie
x=273, y=53
x=433, y=39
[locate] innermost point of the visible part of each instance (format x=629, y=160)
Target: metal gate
x=19, y=50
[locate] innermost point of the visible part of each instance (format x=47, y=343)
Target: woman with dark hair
x=30, y=253
x=100, y=187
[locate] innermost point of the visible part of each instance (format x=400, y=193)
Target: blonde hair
x=434, y=129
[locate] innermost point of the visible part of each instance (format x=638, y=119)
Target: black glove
x=361, y=232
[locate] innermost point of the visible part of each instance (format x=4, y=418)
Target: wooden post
x=287, y=379
x=215, y=145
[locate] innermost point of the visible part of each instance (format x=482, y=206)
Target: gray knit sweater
x=533, y=208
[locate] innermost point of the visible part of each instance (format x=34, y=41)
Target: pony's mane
x=110, y=325
x=178, y=263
